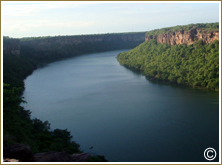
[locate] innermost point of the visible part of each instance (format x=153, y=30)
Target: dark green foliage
x=195, y=65
x=85, y=35
x=16, y=68
x=19, y=127
x=10, y=41
x=15, y=117
x=61, y=51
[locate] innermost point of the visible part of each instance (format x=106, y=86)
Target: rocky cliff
x=11, y=46
x=18, y=152
x=49, y=43
x=185, y=37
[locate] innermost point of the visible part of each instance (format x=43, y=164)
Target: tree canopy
x=195, y=65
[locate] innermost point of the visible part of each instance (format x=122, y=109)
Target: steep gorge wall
x=22, y=56
x=185, y=37
x=60, y=41
x=11, y=46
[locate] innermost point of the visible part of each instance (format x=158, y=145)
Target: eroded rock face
x=51, y=157
x=82, y=157
x=185, y=37
x=21, y=153
x=61, y=157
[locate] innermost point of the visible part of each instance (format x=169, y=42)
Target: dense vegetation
x=19, y=127
x=16, y=68
x=204, y=26
x=195, y=65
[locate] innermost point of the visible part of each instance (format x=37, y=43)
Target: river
x=122, y=115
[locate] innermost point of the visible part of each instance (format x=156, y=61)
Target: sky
x=33, y=19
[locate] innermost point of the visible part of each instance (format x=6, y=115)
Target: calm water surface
x=122, y=115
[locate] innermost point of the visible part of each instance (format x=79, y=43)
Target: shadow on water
x=166, y=83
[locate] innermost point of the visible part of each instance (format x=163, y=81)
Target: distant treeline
x=44, y=37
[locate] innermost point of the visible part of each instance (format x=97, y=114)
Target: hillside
x=194, y=63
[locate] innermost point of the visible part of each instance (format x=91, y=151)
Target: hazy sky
x=27, y=19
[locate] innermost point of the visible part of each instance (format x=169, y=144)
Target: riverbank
x=109, y=107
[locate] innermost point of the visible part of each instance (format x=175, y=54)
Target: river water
x=122, y=115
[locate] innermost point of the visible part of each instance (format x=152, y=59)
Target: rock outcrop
x=18, y=151
x=61, y=157
x=10, y=160
x=21, y=153
x=185, y=37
